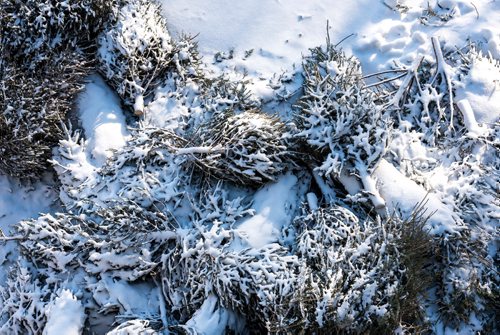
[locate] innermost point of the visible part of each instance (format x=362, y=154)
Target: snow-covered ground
x=19, y=202
x=262, y=38
x=279, y=32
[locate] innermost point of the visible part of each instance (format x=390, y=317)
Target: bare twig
x=385, y=81
x=477, y=12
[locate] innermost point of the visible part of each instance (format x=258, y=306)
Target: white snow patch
x=469, y=118
x=404, y=194
x=19, y=202
x=404, y=39
x=65, y=315
x=273, y=206
x=211, y=319
x=278, y=32
x=482, y=90
x=369, y=183
x=133, y=298
x=312, y=201
x=102, y=119
x=350, y=182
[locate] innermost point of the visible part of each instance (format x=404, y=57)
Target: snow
x=104, y=131
x=65, y=315
x=278, y=32
x=199, y=150
x=404, y=194
x=312, y=201
x=18, y=202
x=135, y=31
x=133, y=298
x=403, y=38
x=211, y=319
x=165, y=111
x=482, y=90
x=369, y=184
x=469, y=118
x=273, y=205
x=139, y=105
x=350, y=182
x=102, y=119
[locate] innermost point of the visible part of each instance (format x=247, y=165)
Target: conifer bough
x=135, y=51
x=33, y=106
x=246, y=148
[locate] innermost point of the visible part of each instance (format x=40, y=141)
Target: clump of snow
x=211, y=319
x=481, y=88
x=102, y=119
x=469, y=118
x=65, y=315
x=312, y=201
x=273, y=205
x=404, y=194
